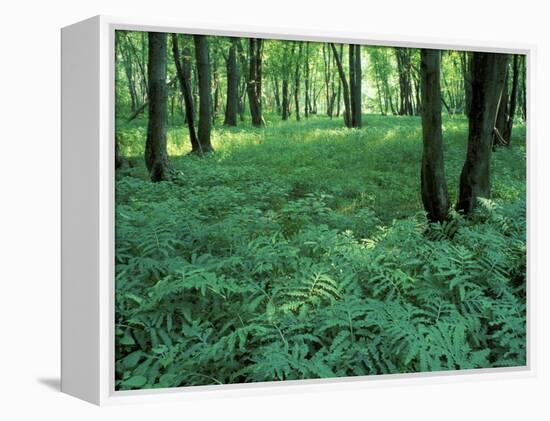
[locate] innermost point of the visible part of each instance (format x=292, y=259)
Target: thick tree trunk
x=254, y=86
x=513, y=100
x=183, y=71
x=156, y=156
x=488, y=75
x=233, y=77
x=345, y=87
x=205, y=97
x=433, y=184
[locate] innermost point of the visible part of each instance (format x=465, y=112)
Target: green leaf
x=135, y=381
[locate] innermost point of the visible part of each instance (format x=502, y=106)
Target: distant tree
x=156, y=156
x=183, y=71
x=433, y=184
x=403, y=56
x=488, y=76
x=205, y=92
x=233, y=77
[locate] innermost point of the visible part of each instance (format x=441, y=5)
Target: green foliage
x=299, y=253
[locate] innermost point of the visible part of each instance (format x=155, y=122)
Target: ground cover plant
x=300, y=249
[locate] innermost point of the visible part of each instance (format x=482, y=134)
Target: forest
x=292, y=210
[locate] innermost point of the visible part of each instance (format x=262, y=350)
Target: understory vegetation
x=299, y=251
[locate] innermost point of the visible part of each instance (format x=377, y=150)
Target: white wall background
x=29, y=207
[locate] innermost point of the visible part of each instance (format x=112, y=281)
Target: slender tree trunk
x=255, y=81
x=523, y=87
x=326, y=71
x=432, y=176
x=156, y=156
x=352, y=81
x=513, y=99
x=233, y=77
x=205, y=95
x=358, y=83
x=297, y=83
x=183, y=71
x=306, y=83
x=502, y=113
x=285, y=104
x=488, y=76
x=347, y=109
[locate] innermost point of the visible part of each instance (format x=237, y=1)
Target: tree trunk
x=233, y=77
x=352, y=81
x=297, y=83
x=432, y=176
x=404, y=67
x=513, y=99
x=277, y=94
x=345, y=88
x=205, y=95
x=183, y=71
x=285, y=104
x=306, y=83
x=156, y=156
x=488, y=75
x=254, y=86
x=358, y=82
x=523, y=87
x=502, y=113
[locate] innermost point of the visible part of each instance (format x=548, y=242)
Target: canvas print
x=291, y=210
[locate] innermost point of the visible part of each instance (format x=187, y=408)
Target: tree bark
x=352, y=81
x=254, y=86
x=297, y=83
x=513, y=100
x=345, y=87
x=233, y=77
x=488, y=76
x=358, y=82
x=432, y=176
x=156, y=156
x=205, y=97
x=502, y=113
x=306, y=83
x=183, y=71
x=467, y=75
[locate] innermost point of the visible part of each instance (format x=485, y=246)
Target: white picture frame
x=88, y=212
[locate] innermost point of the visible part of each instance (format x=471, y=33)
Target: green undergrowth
x=300, y=251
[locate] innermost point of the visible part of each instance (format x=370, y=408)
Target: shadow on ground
x=53, y=383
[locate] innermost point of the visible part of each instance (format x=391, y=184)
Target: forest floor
x=301, y=250
x=376, y=167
